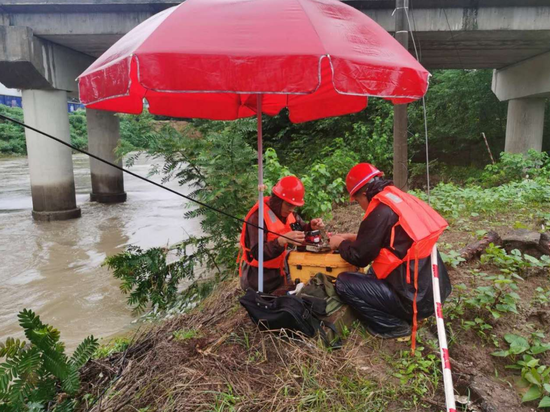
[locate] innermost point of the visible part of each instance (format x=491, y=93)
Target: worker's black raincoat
x=386, y=305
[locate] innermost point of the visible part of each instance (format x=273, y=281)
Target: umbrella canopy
x=211, y=58
x=229, y=59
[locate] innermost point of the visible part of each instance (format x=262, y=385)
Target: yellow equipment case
x=304, y=265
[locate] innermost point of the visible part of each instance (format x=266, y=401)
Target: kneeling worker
x=278, y=217
x=396, y=235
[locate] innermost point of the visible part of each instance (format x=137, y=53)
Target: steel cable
x=140, y=177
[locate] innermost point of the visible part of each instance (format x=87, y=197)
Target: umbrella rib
x=156, y=28
x=314, y=29
x=132, y=54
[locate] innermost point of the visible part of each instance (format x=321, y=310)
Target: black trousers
x=376, y=304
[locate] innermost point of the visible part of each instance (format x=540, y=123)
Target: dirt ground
x=228, y=364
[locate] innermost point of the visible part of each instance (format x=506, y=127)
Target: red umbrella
x=229, y=59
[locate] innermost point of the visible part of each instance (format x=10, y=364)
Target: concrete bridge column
x=50, y=163
x=103, y=137
x=525, y=86
x=524, y=125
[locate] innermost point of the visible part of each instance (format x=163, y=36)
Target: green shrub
x=482, y=329
x=137, y=132
x=541, y=297
x=324, y=181
x=420, y=373
x=515, y=167
x=454, y=201
x=185, y=334
x=114, y=346
x=497, y=298
x=452, y=258
x=460, y=106
x=33, y=374
x=219, y=170
x=78, y=127
x=12, y=136
x=442, y=172
x=367, y=135
x=148, y=279
x=373, y=141
x=514, y=262
x=535, y=378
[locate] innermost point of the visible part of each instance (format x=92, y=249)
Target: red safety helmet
x=359, y=176
x=291, y=190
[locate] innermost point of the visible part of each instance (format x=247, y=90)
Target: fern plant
x=33, y=373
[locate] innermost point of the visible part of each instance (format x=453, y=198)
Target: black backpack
x=284, y=312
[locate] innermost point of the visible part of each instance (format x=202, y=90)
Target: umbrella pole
x=260, y=199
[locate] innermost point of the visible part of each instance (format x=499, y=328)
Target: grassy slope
x=220, y=362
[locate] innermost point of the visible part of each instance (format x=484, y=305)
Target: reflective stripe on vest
x=273, y=224
x=423, y=224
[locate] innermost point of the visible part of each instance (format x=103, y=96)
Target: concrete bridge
x=45, y=44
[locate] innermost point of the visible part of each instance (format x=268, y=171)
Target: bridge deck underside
x=479, y=49
x=492, y=37
x=437, y=50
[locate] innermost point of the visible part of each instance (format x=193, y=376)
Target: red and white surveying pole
x=445, y=362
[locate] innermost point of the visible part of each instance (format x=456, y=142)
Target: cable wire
x=138, y=176
x=423, y=110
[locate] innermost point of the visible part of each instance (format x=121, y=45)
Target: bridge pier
x=103, y=137
x=524, y=125
x=525, y=86
x=46, y=73
x=50, y=163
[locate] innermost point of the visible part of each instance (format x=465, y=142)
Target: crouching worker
x=279, y=219
x=396, y=235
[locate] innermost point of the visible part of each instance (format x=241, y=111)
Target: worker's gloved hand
x=335, y=241
x=317, y=224
x=295, y=237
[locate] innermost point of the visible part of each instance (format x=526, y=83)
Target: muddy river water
x=54, y=268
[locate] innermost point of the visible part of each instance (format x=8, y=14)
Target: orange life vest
x=424, y=226
x=275, y=227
